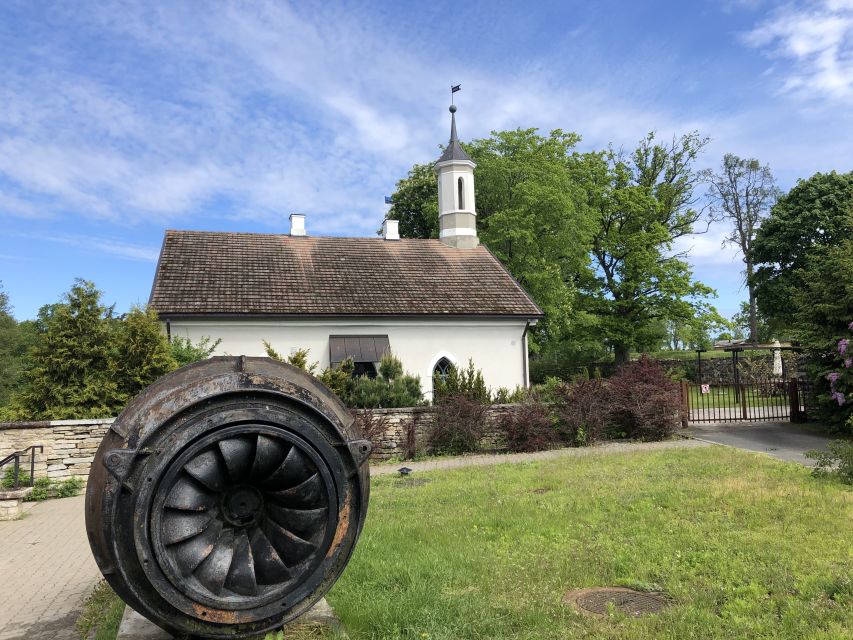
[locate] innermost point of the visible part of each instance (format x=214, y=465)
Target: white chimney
x=391, y=229
x=297, y=224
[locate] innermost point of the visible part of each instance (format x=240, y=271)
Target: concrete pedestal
x=12, y=502
x=136, y=627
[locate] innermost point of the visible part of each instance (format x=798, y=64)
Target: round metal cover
x=597, y=601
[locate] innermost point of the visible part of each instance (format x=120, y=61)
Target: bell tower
x=457, y=215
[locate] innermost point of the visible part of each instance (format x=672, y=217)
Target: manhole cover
x=597, y=601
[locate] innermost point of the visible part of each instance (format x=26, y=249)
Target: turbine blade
x=192, y=552
x=306, y=523
x=268, y=456
x=238, y=454
x=214, y=569
x=291, y=548
x=188, y=495
x=241, y=575
x=306, y=495
x=207, y=469
x=180, y=525
x=269, y=566
x=295, y=468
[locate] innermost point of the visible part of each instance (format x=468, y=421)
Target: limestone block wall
x=69, y=445
x=394, y=442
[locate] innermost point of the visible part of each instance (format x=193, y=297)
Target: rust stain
x=343, y=524
x=216, y=615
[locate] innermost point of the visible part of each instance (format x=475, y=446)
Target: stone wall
x=394, y=442
x=69, y=445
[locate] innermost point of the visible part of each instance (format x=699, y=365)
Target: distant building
x=433, y=303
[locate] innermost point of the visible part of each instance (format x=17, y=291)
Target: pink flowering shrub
x=841, y=379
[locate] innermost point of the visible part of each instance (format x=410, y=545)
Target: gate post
x=685, y=404
x=794, y=400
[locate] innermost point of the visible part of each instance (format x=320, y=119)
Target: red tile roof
x=264, y=274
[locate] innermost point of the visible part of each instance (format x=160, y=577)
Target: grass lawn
x=721, y=396
x=745, y=547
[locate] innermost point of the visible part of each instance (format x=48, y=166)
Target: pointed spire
x=454, y=150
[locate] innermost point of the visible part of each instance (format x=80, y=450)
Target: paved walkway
x=502, y=458
x=46, y=571
x=781, y=440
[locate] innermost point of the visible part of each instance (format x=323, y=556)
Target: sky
x=119, y=120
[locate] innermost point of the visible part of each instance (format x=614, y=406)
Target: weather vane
x=453, y=89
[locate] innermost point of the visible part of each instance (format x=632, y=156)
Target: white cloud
x=817, y=41
x=118, y=248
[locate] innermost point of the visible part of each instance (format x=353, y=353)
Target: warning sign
x=706, y=388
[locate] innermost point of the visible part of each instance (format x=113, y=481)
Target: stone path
x=502, y=458
x=46, y=571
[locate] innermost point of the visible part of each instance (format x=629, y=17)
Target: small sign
x=706, y=388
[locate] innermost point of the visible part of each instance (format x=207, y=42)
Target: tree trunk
x=753, y=311
x=622, y=353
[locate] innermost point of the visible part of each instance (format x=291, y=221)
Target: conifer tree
x=68, y=370
x=142, y=354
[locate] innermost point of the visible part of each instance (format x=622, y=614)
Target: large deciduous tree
x=814, y=216
x=529, y=214
x=415, y=203
x=643, y=202
x=742, y=192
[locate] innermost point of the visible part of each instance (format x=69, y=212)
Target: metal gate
x=769, y=400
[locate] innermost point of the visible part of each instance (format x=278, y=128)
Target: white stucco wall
x=497, y=347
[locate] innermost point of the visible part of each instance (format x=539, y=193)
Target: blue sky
x=119, y=120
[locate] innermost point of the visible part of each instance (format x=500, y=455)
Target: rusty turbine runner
x=227, y=497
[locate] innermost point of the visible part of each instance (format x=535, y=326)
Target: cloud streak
x=817, y=42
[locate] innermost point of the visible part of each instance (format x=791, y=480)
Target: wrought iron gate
x=767, y=400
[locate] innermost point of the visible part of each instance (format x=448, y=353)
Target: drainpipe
x=169, y=331
x=524, y=355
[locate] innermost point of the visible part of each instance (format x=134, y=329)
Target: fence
x=772, y=399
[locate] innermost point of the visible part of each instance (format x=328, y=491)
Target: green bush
x=339, y=379
x=185, y=351
x=466, y=382
x=43, y=488
x=837, y=460
x=505, y=396
x=390, y=389
x=8, y=480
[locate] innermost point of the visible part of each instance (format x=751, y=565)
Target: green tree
x=643, y=202
x=185, y=351
x=528, y=214
x=813, y=217
x=14, y=342
x=742, y=192
x=741, y=325
x=415, y=203
x=822, y=311
x=68, y=373
x=141, y=353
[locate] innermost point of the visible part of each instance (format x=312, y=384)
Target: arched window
x=440, y=372
x=461, y=185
